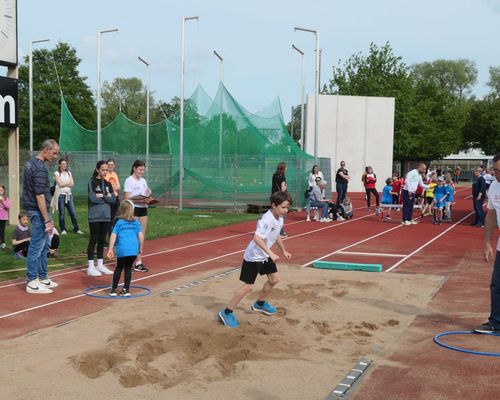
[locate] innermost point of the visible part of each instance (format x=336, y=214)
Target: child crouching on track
x=260, y=259
x=128, y=238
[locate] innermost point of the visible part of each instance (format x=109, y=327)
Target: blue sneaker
x=228, y=319
x=267, y=308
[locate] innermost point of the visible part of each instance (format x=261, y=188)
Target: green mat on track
x=345, y=266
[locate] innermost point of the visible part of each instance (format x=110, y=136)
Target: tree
x=454, y=76
x=381, y=73
x=494, y=82
x=431, y=98
x=482, y=129
x=128, y=95
x=55, y=72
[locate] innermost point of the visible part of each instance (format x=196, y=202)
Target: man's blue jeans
x=495, y=294
x=321, y=206
x=36, y=262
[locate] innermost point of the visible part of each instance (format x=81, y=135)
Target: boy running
x=260, y=259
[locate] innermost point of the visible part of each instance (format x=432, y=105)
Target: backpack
x=307, y=192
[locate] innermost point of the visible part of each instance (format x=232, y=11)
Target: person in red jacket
x=369, y=180
x=397, y=184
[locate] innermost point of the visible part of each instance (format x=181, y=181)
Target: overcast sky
x=255, y=39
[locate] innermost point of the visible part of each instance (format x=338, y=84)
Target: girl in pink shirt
x=4, y=214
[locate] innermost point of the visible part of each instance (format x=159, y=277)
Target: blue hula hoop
x=479, y=353
x=86, y=291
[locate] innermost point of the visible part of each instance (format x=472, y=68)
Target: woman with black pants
x=101, y=197
x=369, y=181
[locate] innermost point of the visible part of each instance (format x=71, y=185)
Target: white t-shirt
x=65, y=178
x=268, y=228
x=136, y=187
x=312, y=178
x=494, y=203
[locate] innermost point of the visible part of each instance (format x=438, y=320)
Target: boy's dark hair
x=496, y=158
x=278, y=198
x=388, y=181
x=20, y=215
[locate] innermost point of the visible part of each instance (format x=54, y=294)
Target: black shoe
x=140, y=268
x=124, y=293
x=113, y=293
x=486, y=328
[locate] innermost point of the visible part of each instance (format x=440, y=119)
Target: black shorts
x=428, y=200
x=140, y=211
x=250, y=269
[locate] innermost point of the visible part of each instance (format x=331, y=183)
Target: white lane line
x=82, y=267
x=352, y=245
x=427, y=243
x=152, y=275
x=357, y=253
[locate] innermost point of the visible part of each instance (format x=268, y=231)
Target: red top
x=370, y=180
x=396, y=186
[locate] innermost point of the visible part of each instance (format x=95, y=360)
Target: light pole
x=181, y=114
x=99, y=147
x=316, y=90
x=220, y=105
x=30, y=84
x=147, y=114
x=302, y=134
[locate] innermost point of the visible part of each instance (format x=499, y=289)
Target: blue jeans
x=407, y=206
x=478, y=209
x=71, y=210
x=36, y=262
x=341, y=193
x=321, y=205
x=495, y=294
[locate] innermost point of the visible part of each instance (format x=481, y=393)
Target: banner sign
x=8, y=102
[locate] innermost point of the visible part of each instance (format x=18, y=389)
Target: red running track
x=423, y=248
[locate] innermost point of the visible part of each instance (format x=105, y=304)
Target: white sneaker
x=104, y=270
x=414, y=222
x=339, y=218
x=308, y=219
x=47, y=283
x=325, y=220
x=93, y=271
x=79, y=232
x=406, y=223
x=64, y=232
x=34, y=287
x=3, y=245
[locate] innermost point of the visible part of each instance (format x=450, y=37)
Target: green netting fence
x=227, y=173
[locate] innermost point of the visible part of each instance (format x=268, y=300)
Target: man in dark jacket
x=36, y=200
x=478, y=197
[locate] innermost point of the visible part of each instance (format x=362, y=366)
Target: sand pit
x=171, y=346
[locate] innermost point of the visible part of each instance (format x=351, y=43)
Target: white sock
x=99, y=263
x=91, y=264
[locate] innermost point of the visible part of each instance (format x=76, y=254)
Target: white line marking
x=83, y=267
x=356, y=253
x=427, y=243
